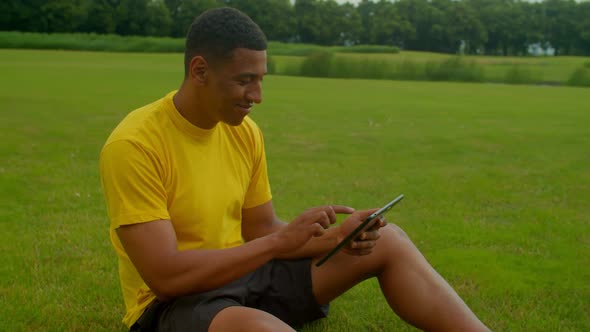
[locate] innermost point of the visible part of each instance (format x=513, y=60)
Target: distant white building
x=537, y=49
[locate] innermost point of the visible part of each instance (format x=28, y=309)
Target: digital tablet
x=366, y=224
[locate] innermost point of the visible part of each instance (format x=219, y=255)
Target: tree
x=308, y=20
x=183, y=12
x=275, y=17
x=100, y=17
x=465, y=28
x=63, y=15
x=383, y=25
x=158, y=21
x=560, y=24
x=583, y=28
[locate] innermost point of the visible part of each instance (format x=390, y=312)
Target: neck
x=191, y=107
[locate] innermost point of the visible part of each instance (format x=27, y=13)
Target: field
x=496, y=178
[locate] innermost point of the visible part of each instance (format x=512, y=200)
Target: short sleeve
x=259, y=189
x=132, y=184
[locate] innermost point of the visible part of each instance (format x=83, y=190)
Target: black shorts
x=280, y=287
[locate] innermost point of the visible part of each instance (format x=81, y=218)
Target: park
x=495, y=175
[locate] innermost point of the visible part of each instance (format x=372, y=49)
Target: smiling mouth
x=246, y=107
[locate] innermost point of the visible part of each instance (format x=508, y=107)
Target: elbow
x=163, y=289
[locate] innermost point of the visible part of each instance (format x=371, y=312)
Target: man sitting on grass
x=198, y=242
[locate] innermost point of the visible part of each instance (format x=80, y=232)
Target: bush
x=318, y=65
x=518, y=74
x=271, y=65
x=90, y=42
x=580, y=77
x=454, y=69
x=408, y=70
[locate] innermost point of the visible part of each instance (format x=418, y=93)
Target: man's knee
x=394, y=233
x=394, y=243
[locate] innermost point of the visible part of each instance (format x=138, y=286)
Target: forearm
x=193, y=271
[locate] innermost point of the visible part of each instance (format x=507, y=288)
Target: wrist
x=273, y=243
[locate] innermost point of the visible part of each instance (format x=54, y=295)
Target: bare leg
x=242, y=319
x=413, y=289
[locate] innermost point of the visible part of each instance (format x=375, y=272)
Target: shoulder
x=141, y=125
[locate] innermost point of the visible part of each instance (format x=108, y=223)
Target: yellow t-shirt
x=157, y=165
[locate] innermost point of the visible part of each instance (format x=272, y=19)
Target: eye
x=244, y=80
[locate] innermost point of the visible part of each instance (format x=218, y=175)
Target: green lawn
x=496, y=178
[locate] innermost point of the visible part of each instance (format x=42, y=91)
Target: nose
x=254, y=94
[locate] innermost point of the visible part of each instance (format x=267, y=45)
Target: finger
x=369, y=236
x=320, y=217
x=317, y=230
x=361, y=245
x=331, y=213
x=378, y=224
x=342, y=209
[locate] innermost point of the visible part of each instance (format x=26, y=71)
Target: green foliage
x=455, y=27
x=454, y=69
x=271, y=65
x=580, y=77
x=359, y=61
x=318, y=65
x=326, y=64
x=90, y=42
x=295, y=49
x=298, y=49
x=520, y=74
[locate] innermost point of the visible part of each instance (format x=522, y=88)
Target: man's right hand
x=313, y=222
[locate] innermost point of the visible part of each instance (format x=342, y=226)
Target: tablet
x=366, y=224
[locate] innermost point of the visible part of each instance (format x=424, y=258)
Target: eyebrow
x=249, y=75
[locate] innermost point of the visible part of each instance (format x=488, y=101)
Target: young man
x=199, y=245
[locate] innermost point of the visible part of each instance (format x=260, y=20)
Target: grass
x=496, y=181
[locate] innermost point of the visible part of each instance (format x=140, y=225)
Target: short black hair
x=217, y=32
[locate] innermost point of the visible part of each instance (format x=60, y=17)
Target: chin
x=234, y=122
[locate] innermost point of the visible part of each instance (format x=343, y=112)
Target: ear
x=198, y=69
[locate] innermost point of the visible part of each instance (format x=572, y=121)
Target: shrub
x=580, y=77
x=454, y=69
x=519, y=74
x=271, y=65
x=408, y=70
x=89, y=42
x=318, y=64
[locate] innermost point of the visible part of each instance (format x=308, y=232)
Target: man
x=199, y=245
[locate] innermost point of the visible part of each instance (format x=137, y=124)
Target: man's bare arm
x=152, y=247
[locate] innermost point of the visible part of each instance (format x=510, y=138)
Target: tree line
x=504, y=27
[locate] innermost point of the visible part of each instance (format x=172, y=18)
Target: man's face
x=235, y=85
